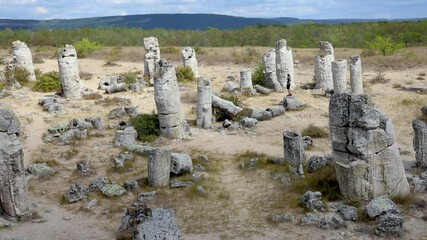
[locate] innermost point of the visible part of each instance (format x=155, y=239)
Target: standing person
x=288, y=84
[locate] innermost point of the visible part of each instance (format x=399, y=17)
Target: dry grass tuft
x=314, y=132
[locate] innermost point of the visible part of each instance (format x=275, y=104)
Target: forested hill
x=168, y=21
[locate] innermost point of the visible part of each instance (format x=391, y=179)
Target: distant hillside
x=167, y=21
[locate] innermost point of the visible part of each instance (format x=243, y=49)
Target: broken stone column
x=22, y=58
x=246, y=81
x=323, y=66
x=420, y=139
x=284, y=63
x=270, y=76
x=366, y=159
x=204, y=103
x=356, y=81
x=159, y=163
x=189, y=59
x=69, y=76
x=293, y=148
x=152, y=56
x=339, y=76
x=13, y=189
x=168, y=102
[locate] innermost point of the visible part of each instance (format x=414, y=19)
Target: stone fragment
x=348, y=213
x=230, y=87
x=159, y=167
x=307, y=141
x=145, y=196
x=270, y=75
x=117, y=113
x=161, y=224
x=261, y=114
x=356, y=80
x=200, y=189
x=98, y=184
x=317, y=162
x=125, y=137
x=280, y=218
x=168, y=103
x=112, y=190
x=390, y=224
x=131, y=185
x=224, y=106
x=310, y=219
x=276, y=110
x=69, y=74
x=40, y=169
x=22, y=58
x=115, y=88
x=189, y=59
x=381, y=205
x=181, y=163
x=109, y=80
x=330, y=223
x=261, y=89
x=91, y=204
x=246, y=81
x=420, y=142
x=284, y=64
x=293, y=148
x=14, y=201
x=312, y=201
x=323, y=66
x=339, y=76
x=204, y=103
x=152, y=56
x=248, y=122
x=291, y=103
x=97, y=123
x=52, y=104
x=180, y=184
x=76, y=193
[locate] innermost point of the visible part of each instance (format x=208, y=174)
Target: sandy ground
x=236, y=218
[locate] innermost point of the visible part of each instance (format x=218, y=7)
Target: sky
x=305, y=9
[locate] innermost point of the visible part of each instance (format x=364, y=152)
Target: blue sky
x=313, y=9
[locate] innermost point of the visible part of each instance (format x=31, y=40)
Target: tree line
x=354, y=35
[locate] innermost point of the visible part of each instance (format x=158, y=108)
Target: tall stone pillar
x=323, y=66
x=284, y=63
x=168, y=102
x=159, y=162
x=152, y=56
x=339, y=75
x=294, y=151
x=246, y=80
x=420, y=138
x=69, y=75
x=23, y=59
x=189, y=60
x=204, y=103
x=356, y=80
x=270, y=75
x=13, y=189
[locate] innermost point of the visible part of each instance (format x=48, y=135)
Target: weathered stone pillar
x=159, y=163
x=168, y=102
x=356, y=80
x=293, y=148
x=189, y=59
x=420, y=138
x=204, y=103
x=246, y=81
x=270, y=75
x=23, y=59
x=323, y=66
x=69, y=75
x=152, y=56
x=366, y=159
x=284, y=63
x=13, y=189
x=339, y=75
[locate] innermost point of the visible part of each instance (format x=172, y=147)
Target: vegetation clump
x=19, y=75
x=385, y=45
x=130, y=77
x=314, y=132
x=184, y=74
x=147, y=126
x=84, y=47
x=258, y=76
x=48, y=82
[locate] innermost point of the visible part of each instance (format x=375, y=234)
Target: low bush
x=84, y=47
x=314, y=132
x=147, y=126
x=19, y=75
x=130, y=77
x=258, y=76
x=184, y=74
x=48, y=82
x=379, y=78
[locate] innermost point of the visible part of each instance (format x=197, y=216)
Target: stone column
x=189, y=60
x=23, y=59
x=204, y=103
x=356, y=81
x=152, y=56
x=159, y=163
x=366, y=160
x=13, y=189
x=420, y=138
x=270, y=75
x=339, y=75
x=323, y=66
x=293, y=148
x=168, y=102
x=69, y=75
x=246, y=80
x=284, y=63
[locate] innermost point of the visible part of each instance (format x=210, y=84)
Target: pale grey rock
x=261, y=89
x=317, y=162
x=284, y=63
x=225, y=106
x=160, y=224
x=230, y=87
x=40, y=169
x=420, y=142
x=113, y=190
x=159, y=167
x=390, y=224
x=356, y=80
x=131, y=185
x=261, y=114
x=69, y=74
x=323, y=66
x=152, y=57
x=91, y=204
x=109, y=80
x=339, y=76
x=115, y=88
x=97, y=123
x=270, y=75
x=98, y=184
x=83, y=167
x=196, y=176
x=381, y=205
x=348, y=213
x=145, y=196
x=248, y=122
x=181, y=163
x=293, y=148
x=125, y=137
x=52, y=104
x=281, y=218
x=331, y=223
x=76, y=193
x=339, y=110
x=307, y=141
x=276, y=110
x=291, y=103
x=204, y=103
x=189, y=59
x=310, y=219
x=117, y=113
x=201, y=190
x=312, y=201
x=22, y=58
x=180, y=184
x=246, y=81
x=363, y=113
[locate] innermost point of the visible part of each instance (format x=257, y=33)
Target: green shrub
x=48, y=82
x=130, y=77
x=113, y=57
x=232, y=98
x=184, y=74
x=85, y=47
x=199, y=50
x=20, y=75
x=258, y=76
x=314, y=132
x=385, y=45
x=147, y=126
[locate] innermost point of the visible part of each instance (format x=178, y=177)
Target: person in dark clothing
x=288, y=84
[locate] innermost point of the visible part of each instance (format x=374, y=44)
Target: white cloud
x=123, y=13
x=22, y=2
x=130, y=1
x=41, y=10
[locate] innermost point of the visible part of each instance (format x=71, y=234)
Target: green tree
x=385, y=45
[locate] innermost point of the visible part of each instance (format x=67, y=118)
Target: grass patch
x=130, y=77
x=19, y=75
x=170, y=50
x=420, y=78
x=48, y=82
x=422, y=74
x=71, y=153
x=314, y=132
x=258, y=75
x=413, y=101
x=247, y=56
x=113, y=57
x=50, y=162
x=85, y=75
x=184, y=74
x=397, y=85
x=92, y=96
x=147, y=126
x=379, y=78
